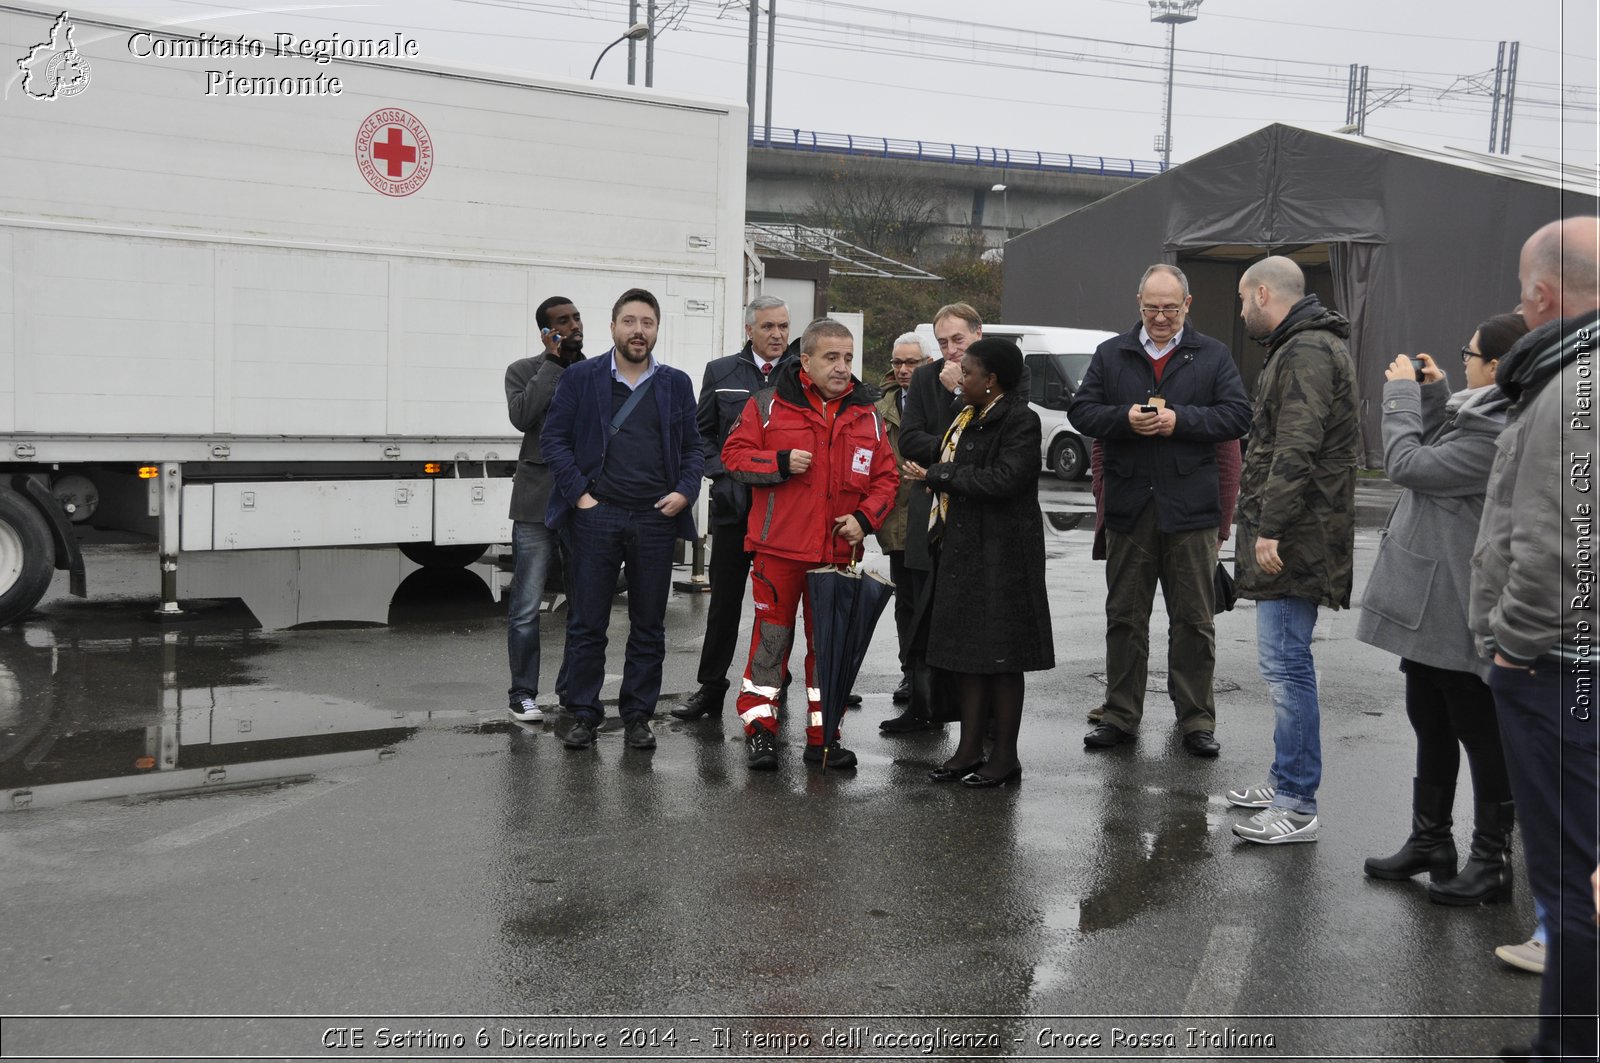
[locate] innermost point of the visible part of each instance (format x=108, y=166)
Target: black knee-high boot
x=1486, y=877
x=1431, y=846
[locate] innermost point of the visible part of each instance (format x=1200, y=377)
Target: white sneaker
x=526, y=709
x=1252, y=797
x=1276, y=826
x=1528, y=956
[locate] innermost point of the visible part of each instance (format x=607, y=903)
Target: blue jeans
x=1552, y=743
x=1283, y=643
x=533, y=550
x=604, y=539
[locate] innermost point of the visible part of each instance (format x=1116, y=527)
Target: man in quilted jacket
x=1296, y=545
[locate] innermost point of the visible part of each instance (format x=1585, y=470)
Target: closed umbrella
x=845, y=606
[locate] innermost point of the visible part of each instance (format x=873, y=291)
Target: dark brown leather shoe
x=1201, y=744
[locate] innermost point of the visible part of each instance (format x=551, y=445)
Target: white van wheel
x=1068, y=459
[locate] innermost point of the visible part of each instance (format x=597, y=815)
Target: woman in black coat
x=991, y=617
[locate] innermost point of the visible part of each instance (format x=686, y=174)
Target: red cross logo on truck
x=394, y=151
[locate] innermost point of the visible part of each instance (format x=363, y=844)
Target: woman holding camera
x=991, y=617
x=1439, y=447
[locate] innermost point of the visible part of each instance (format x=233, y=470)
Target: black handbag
x=1226, y=592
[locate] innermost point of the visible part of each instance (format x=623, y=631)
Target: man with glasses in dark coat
x=1159, y=398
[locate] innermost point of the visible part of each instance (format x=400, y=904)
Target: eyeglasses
x=1467, y=354
x=1161, y=311
x=900, y=363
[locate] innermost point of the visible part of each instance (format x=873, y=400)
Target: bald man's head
x=1279, y=274
x=1267, y=292
x=1559, y=270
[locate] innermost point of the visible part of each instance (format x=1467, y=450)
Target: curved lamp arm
x=636, y=32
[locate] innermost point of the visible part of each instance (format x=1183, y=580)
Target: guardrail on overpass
x=964, y=154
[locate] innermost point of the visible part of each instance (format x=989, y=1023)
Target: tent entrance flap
x=1214, y=274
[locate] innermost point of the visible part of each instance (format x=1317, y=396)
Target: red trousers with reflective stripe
x=778, y=586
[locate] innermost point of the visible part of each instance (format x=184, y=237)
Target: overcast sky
x=1083, y=76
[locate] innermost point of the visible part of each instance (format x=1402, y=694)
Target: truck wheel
x=27, y=556
x=432, y=555
x=1067, y=458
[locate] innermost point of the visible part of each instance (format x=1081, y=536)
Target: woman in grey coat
x=1439, y=447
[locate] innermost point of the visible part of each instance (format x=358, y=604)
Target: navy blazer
x=577, y=430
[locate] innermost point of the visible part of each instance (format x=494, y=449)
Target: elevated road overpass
x=786, y=174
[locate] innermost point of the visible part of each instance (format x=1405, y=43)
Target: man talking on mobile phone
x=530, y=382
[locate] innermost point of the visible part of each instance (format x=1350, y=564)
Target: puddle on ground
x=115, y=710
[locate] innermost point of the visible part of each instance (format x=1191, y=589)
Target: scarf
x=1543, y=353
x=940, y=509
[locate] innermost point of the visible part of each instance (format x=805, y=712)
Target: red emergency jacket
x=852, y=469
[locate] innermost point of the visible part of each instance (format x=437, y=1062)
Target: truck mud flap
x=67, y=554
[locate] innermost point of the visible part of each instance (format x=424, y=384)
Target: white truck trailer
x=257, y=299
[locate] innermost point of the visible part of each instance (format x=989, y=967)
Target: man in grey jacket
x=1532, y=608
x=529, y=384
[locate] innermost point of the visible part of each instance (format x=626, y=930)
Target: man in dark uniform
x=729, y=382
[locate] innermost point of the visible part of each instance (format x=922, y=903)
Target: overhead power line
x=972, y=46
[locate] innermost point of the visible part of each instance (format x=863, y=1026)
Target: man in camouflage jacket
x=1296, y=527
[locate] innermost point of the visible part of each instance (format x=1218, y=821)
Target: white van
x=1056, y=358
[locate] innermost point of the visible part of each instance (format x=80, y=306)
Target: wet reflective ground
x=210, y=819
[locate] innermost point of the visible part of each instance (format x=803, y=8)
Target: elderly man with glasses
x=907, y=356
x=1160, y=398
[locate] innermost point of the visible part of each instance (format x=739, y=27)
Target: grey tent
x=1414, y=246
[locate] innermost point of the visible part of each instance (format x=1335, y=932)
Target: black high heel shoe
x=978, y=782
x=943, y=774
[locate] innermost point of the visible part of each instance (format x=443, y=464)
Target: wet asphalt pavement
x=340, y=823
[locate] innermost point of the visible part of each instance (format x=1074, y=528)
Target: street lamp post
x=636, y=32
x=1172, y=13
x=1005, y=207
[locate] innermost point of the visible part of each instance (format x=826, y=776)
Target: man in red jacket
x=822, y=475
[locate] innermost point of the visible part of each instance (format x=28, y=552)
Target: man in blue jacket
x=1160, y=398
x=624, y=455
